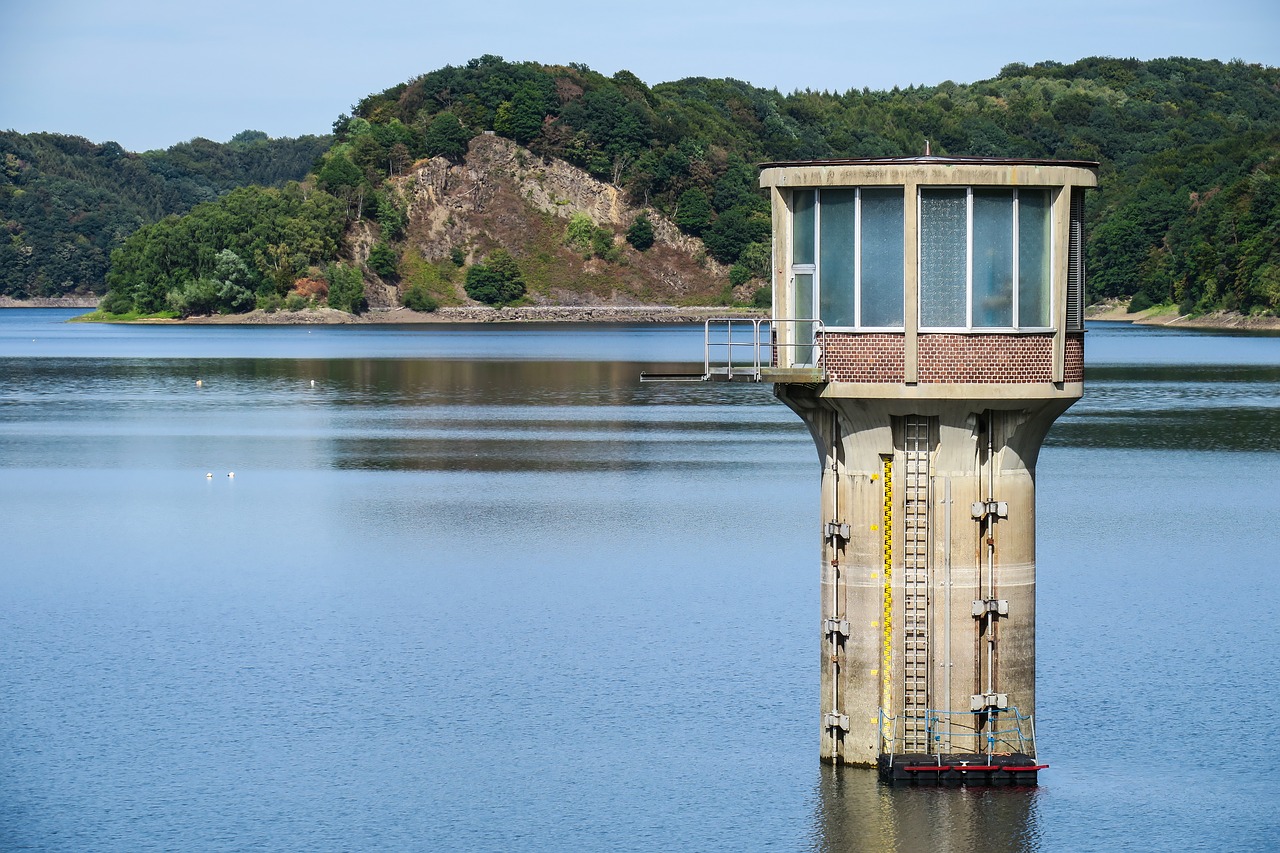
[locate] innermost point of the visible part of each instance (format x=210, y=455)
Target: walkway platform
x=1010, y=769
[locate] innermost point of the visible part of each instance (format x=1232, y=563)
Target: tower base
x=1011, y=769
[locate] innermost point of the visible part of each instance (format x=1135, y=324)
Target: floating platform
x=1013, y=769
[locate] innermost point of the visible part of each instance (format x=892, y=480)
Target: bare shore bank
x=477, y=314
x=1168, y=316
x=1115, y=311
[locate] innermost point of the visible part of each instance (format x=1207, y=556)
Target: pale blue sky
x=150, y=73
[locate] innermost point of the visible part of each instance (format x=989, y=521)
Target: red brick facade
x=871, y=357
x=952, y=358
x=986, y=358
x=1074, y=365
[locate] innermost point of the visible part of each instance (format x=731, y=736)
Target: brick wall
x=986, y=358
x=871, y=357
x=1073, y=368
x=1015, y=359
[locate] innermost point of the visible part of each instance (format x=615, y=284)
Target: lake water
x=477, y=589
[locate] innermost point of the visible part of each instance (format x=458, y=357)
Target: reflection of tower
x=937, y=305
x=928, y=329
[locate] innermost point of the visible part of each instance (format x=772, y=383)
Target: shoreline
x=1114, y=311
x=1118, y=312
x=466, y=314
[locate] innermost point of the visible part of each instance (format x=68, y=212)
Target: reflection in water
x=857, y=813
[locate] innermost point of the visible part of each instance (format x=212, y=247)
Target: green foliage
x=762, y=298
x=67, y=203
x=521, y=117
x=115, y=303
x=195, y=298
x=693, y=212
x=603, y=245
x=392, y=215
x=1141, y=302
x=640, y=235
x=1185, y=213
x=757, y=258
x=383, y=260
x=296, y=302
x=736, y=229
x=338, y=172
x=458, y=256
x=498, y=281
x=418, y=297
x=585, y=237
x=346, y=288
x=446, y=137
x=739, y=275
x=578, y=233
x=271, y=235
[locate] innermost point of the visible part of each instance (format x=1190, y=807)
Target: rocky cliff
x=504, y=196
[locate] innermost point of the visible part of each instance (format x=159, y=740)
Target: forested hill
x=1189, y=206
x=1188, y=211
x=66, y=203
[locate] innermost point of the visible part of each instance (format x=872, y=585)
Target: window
x=985, y=258
x=847, y=256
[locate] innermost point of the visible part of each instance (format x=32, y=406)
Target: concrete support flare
x=928, y=570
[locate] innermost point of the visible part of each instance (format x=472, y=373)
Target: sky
x=151, y=73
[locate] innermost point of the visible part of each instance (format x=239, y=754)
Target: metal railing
x=725, y=338
x=1002, y=730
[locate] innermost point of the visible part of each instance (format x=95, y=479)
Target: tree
x=383, y=260
x=446, y=137
x=736, y=229
x=693, y=214
x=346, y=288
x=496, y=282
x=640, y=235
x=417, y=297
x=521, y=117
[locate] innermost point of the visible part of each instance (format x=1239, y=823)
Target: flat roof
x=933, y=161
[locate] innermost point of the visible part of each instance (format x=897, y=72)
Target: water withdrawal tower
x=928, y=327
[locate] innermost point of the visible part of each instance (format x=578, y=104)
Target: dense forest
x=66, y=203
x=1188, y=211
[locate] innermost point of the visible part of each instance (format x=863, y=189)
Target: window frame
x=815, y=269
x=1015, y=243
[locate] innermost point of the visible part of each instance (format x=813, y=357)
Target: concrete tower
x=928, y=328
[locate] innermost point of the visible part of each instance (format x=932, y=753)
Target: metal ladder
x=915, y=577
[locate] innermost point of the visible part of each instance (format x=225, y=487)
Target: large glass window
x=984, y=258
x=847, y=246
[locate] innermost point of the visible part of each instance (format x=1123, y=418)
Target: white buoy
x=313, y=383
x=209, y=476
x=199, y=383
x=231, y=474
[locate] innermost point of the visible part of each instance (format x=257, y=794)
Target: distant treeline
x=66, y=203
x=1188, y=211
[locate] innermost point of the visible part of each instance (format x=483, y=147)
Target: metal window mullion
x=968, y=260
x=815, y=310
x=1053, y=315
x=857, y=258
x=1017, y=254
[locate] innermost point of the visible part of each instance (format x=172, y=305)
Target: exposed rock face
x=503, y=196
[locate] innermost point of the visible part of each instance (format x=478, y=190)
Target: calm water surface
x=477, y=589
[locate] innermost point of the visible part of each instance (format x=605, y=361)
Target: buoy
x=231, y=474
x=199, y=382
x=209, y=476
x=313, y=383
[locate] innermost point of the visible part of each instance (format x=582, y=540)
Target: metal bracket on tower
x=833, y=720
x=982, y=509
x=988, y=701
x=836, y=530
x=840, y=627
x=991, y=607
